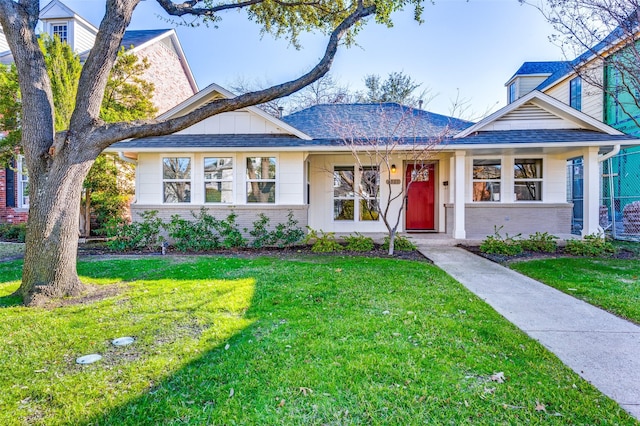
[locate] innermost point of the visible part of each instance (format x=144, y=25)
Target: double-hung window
x=512, y=92
x=527, y=179
x=369, y=193
x=343, y=193
x=261, y=180
x=218, y=180
x=176, y=179
x=356, y=188
x=23, y=183
x=575, y=93
x=487, y=176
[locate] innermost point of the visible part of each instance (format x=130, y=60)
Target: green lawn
x=10, y=250
x=310, y=341
x=612, y=284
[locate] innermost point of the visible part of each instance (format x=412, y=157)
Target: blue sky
x=469, y=47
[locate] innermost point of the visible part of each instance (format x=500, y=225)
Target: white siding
x=592, y=96
x=83, y=37
x=4, y=45
x=236, y=123
x=554, y=179
x=289, y=177
x=560, y=92
x=321, y=195
x=528, y=84
x=529, y=116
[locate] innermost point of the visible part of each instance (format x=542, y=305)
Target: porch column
x=591, y=202
x=458, y=196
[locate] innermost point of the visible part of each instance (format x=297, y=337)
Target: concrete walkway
x=600, y=347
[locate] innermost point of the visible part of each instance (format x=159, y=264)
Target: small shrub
x=593, y=245
x=540, y=242
x=359, y=242
x=260, y=233
x=325, y=242
x=497, y=244
x=229, y=232
x=289, y=233
x=193, y=236
x=144, y=235
x=400, y=243
x=13, y=232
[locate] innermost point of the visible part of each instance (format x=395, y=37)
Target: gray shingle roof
x=138, y=37
x=538, y=137
x=217, y=141
x=337, y=121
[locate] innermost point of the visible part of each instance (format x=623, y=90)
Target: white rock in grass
x=88, y=359
x=122, y=341
x=385, y=312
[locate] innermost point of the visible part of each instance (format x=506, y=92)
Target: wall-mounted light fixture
x=393, y=168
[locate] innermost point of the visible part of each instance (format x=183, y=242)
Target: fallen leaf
x=338, y=270
x=226, y=347
x=385, y=312
x=281, y=404
x=231, y=393
x=498, y=377
x=306, y=391
x=541, y=407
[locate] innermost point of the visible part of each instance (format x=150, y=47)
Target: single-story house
x=508, y=170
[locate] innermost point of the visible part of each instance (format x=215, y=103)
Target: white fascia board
x=201, y=96
x=548, y=103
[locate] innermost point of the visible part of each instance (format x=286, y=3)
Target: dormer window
x=61, y=30
x=512, y=92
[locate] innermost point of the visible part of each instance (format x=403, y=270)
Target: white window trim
x=69, y=34
x=501, y=181
x=232, y=180
x=357, y=197
x=246, y=180
x=541, y=179
x=20, y=181
x=163, y=180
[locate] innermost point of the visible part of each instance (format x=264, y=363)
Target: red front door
x=420, y=197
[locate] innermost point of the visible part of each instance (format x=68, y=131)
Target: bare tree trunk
x=392, y=241
x=52, y=234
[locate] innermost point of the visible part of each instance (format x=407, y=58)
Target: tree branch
x=108, y=134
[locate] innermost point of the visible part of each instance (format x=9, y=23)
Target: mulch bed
x=282, y=253
x=531, y=255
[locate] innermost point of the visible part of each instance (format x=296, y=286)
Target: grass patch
x=612, y=284
x=317, y=340
x=11, y=250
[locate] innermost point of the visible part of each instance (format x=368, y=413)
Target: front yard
x=313, y=340
x=612, y=284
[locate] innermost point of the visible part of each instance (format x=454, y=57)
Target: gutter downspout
x=602, y=159
x=614, y=151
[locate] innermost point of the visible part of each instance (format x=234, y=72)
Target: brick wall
x=480, y=219
x=167, y=75
x=9, y=214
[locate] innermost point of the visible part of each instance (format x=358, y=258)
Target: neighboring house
x=614, y=105
x=168, y=71
x=508, y=170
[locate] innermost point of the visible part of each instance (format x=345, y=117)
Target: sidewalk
x=600, y=347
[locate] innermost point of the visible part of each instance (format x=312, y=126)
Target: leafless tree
x=59, y=162
x=398, y=135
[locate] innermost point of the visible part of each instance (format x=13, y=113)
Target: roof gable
x=538, y=111
x=58, y=10
x=249, y=116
